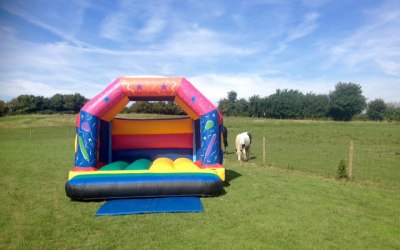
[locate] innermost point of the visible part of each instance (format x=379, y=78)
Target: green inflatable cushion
x=118, y=165
x=141, y=164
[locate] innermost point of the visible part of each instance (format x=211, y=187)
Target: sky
x=252, y=47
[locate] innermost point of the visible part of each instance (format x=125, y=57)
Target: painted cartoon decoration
x=210, y=153
x=103, y=140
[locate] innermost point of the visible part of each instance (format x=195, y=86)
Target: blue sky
x=252, y=47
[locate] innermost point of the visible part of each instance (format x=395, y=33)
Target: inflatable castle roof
x=117, y=95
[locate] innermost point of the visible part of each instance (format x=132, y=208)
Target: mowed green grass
x=263, y=206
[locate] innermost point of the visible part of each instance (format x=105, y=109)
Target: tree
x=315, y=106
x=268, y=107
x=376, y=110
x=232, y=96
x=69, y=102
x=231, y=106
x=174, y=109
x=26, y=104
x=3, y=108
x=79, y=101
x=41, y=102
x=232, y=103
x=56, y=102
x=241, y=107
x=346, y=101
x=392, y=112
x=286, y=104
x=223, y=106
x=255, y=106
x=157, y=107
x=141, y=107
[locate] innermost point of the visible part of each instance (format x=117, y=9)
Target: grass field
x=285, y=204
x=318, y=146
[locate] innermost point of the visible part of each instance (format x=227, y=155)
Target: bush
x=346, y=101
x=376, y=110
x=342, y=170
x=46, y=112
x=360, y=117
x=392, y=112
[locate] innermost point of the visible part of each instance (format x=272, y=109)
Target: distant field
x=292, y=202
x=318, y=146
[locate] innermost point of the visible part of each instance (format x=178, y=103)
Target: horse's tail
x=249, y=136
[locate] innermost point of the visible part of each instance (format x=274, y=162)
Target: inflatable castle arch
x=122, y=158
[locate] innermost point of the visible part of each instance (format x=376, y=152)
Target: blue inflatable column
x=86, y=153
x=210, y=138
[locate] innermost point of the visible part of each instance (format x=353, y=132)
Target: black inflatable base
x=105, y=187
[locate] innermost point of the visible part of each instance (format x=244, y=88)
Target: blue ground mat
x=151, y=205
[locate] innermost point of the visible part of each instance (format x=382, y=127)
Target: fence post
x=30, y=135
x=351, y=159
x=264, y=150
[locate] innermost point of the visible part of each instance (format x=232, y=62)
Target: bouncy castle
x=126, y=158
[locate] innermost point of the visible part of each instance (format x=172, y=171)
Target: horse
x=243, y=142
x=225, y=137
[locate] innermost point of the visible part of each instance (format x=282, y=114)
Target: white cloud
x=135, y=21
x=216, y=86
x=16, y=87
x=151, y=28
x=45, y=69
x=115, y=26
x=306, y=27
x=391, y=67
x=202, y=43
x=376, y=44
x=214, y=61
x=377, y=87
x=24, y=11
x=315, y=3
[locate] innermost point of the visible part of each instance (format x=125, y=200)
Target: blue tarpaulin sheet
x=151, y=205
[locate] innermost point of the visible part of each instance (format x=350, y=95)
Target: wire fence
x=375, y=164
x=37, y=134
x=321, y=158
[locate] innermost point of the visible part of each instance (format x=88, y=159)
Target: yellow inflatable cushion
x=162, y=165
x=185, y=165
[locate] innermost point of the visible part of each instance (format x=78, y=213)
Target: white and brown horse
x=243, y=142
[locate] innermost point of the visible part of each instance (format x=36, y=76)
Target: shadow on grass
x=89, y=201
x=230, y=175
x=229, y=152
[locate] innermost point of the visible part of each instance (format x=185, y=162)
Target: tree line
x=30, y=104
x=342, y=104
x=159, y=107
x=72, y=103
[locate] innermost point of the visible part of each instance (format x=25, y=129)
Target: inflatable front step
x=117, y=186
x=142, y=178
